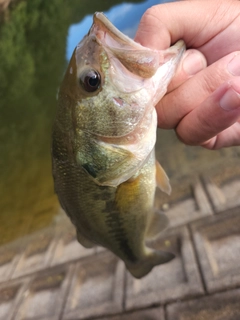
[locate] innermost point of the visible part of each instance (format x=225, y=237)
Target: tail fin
x=151, y=259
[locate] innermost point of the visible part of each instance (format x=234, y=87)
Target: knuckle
x=184, y=138
x=211, y=144
x=148, y=18
x=153, y=15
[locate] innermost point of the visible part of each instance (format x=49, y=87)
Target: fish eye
x=90, y=80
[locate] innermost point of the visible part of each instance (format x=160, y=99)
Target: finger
x=227, y=138
x=176, y=104
x=192, y=62
x=164, y=24
x=219, y=111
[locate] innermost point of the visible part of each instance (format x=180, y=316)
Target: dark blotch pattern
x=116, y=229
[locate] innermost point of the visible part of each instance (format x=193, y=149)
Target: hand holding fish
x=203, y=99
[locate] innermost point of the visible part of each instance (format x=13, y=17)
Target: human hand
x=202, y=103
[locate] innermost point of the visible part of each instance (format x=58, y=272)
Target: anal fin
x=159, y=223
x=84, y=241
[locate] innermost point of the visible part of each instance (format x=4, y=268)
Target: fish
x=103, y=141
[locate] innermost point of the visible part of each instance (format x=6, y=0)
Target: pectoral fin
x=159, y=223
x=162, y=179
x=108, y=165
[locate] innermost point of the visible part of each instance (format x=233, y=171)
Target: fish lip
x=102, y=26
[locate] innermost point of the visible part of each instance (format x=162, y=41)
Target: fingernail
x=194, y=62
x=230, y=100
x=234, y=66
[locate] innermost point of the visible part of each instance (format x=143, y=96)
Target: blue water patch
x=124, y=16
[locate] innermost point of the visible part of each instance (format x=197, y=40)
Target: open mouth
x=137, y=59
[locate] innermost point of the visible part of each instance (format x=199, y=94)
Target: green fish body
x=104, y=166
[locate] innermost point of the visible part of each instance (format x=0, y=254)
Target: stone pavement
x=48, y=275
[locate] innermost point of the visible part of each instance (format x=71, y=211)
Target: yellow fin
x=159, y=223
x=162, y=179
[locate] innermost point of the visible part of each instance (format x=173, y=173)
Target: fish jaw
x=137, y=59
x=166, y=71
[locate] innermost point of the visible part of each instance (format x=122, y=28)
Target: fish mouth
x=140, y=61
x=131, y=60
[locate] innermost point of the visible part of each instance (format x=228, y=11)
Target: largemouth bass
x=104, y=166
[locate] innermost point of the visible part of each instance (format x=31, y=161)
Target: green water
x=32, y=61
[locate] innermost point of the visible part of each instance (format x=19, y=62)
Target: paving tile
x=148, y=314
x=97, y=287
x=217, y=241
x=221, y=306
x=9, y=257
x=10, y=296
x=38, y=251
x=192, y=205
x=45, y=295
x=176, y=279
x=223, y=190
x=68, y=248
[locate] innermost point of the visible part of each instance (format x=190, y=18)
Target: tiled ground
x=50, y=276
